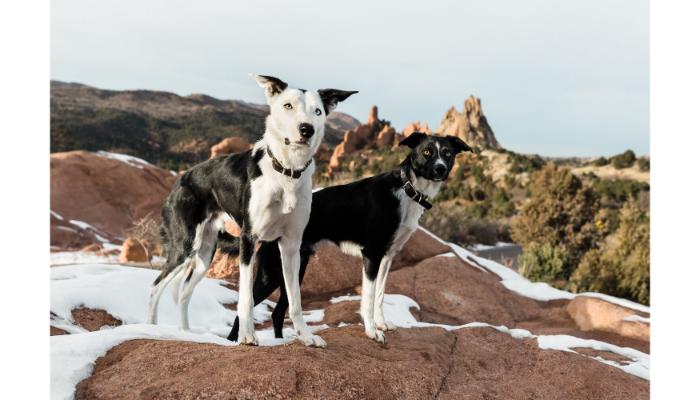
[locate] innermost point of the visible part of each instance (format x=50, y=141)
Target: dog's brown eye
x=427, y=152
x=318, y=111
x=287, y=106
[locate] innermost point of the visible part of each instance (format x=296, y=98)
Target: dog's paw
x=312, y=341
x=385, y=326
x=376, y=335
x=249, y=338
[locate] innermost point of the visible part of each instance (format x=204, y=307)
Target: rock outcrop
x=419, y=363
x=469, y=125
x=234, y=144
x=416, y=127
x=591, y=314
x=133, y=251
x=96, y=197
x=373, y=134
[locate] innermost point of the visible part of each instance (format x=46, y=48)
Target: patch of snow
x=637, y=318
x=80, y=257
x=638, y=367
x=173, y=173
x=125, y=158
x=480, y=247
x=57, y=215
x=347, y=297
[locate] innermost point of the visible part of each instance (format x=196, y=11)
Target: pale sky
x=557, y=78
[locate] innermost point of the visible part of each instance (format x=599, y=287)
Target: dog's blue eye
x=447, y=154
x=318, y=111
x=287, y=106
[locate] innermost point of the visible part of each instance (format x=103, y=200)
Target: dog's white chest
x=276, y=206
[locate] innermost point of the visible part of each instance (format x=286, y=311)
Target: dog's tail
x=228, y=243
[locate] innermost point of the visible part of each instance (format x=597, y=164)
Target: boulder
x=133, y=251
x=469, y=125
x=419, y=363
x=385, y=138
x=375, y=133
x=108, y=191
x=416, y=127
x=420, y=246
x=591, y=313
x=234, y=144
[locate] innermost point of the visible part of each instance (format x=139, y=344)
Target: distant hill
x=167, y=129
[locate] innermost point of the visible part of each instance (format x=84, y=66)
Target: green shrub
x=644, y=164
x=621, y=268
x=624, y=160
x=520, y=163
x=544, y=263
x=560, y=213
x=619, y=190
x=601, y=161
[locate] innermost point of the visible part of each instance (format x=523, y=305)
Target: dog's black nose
x=306, y=129
x=440, y=169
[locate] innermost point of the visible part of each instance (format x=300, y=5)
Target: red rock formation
x=416, y=127
x=133, y=251
x=109, y=192
x=374, y=133
x=234, y=144
x=469, y=125
x=386, y=136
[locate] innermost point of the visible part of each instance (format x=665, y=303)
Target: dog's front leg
x=382, y=324
x=289, y=250
x=246, y=332
x=369, y=284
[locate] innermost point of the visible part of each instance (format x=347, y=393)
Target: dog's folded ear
x=459, y=144
x=413, y=139
x=273, y=86
x=331, y=97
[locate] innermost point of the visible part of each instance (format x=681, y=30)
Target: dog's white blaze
x=439, y=161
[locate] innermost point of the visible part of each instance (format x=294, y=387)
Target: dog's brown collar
x=413, y=193
x=292, y=173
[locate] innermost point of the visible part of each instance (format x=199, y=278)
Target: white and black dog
x=371, y=218
x=266, y=190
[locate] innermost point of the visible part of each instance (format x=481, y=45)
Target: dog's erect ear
x=331, y=97
x=273, y=86
x=459, y=144
x=413, y=139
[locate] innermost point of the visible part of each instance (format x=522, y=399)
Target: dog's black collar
x=413, y=193
x=292, y=173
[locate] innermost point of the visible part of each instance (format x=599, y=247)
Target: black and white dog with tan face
x=266, y=190
x=371, y=218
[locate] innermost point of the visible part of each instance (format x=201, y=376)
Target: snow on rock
x=125, y=158
x=73, y=356
x=524, y=287
x=638, y=367
x=123, y=292
x=397, y=311
x=78, y=257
